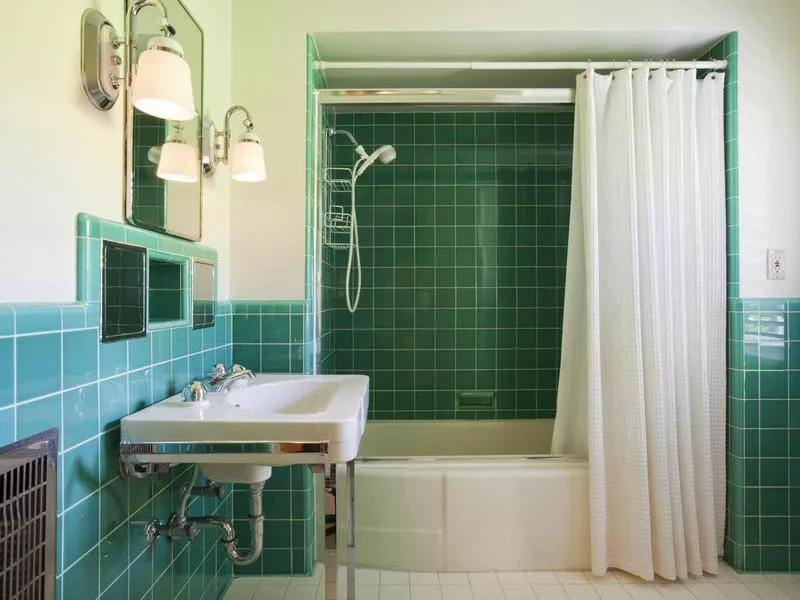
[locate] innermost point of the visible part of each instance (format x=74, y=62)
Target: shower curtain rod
x=526, y=66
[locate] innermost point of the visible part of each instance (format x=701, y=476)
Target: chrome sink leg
x=351, y=530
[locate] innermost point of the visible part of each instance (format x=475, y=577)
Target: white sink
x=237, y=436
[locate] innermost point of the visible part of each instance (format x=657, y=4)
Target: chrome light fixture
x=177, y=159
x=246, y=157
x=160, y=84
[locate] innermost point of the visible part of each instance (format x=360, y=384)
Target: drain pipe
x=256, y=519
x=179, y=525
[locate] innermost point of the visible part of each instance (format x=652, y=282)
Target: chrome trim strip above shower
x=448, y=96
x=521, y=66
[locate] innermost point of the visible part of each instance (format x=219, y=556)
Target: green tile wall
x=728, y=49
x=268, y=337
x=764, y=434
x=167, y=287
x=150, y=207
x=463, y=246
x=55, y=373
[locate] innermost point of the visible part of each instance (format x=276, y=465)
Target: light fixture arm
x=130, y=32
x=225, y=143
x=218, y=146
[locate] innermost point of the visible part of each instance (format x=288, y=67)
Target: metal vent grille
x=28, y=517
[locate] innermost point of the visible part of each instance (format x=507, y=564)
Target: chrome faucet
x=195, y=391
x=233, y=379
x=222, y=380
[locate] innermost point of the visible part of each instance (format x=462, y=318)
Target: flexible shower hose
x=352, y=305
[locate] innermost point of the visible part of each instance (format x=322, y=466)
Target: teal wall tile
x=73, y=317
x=140, y=389
x=162, y=345
x=38, y=365
x=81, y=410
x=7, y=424
x=139, y=352
x=35, y=318
x=6, y=320
x=113, y=358
x=81, y=476
x=38, y=415
x=82, y=521
x=100, y=522
x=81, y=581
x=6, y=371
x=80, y=357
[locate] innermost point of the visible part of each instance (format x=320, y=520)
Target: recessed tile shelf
x=167, y=289
x=167, y=265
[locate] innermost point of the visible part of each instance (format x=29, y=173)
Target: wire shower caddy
x=336, y=222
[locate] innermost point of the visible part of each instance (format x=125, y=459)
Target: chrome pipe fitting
x=256, y=519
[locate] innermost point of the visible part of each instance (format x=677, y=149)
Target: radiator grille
x=27, y=518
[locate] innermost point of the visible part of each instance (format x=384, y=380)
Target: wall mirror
x=204, y=295
x=123, y=291
x=169, y=206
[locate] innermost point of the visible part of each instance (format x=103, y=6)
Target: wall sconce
x=247, y=155
x=161, y=83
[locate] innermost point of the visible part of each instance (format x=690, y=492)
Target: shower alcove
x=462, y=247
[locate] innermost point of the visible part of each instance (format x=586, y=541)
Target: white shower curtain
x=642, y=385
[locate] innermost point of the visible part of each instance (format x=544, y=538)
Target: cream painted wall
x=60, y=156
x=215, y=18
x=267, y=219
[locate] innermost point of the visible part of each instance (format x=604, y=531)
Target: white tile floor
x=540, y=585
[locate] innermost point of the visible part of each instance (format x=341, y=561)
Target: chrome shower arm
x=359, y=148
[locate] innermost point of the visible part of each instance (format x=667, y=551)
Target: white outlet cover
x=776, y=264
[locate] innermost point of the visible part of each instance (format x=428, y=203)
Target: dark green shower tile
x=430, y=262
x=774, y=384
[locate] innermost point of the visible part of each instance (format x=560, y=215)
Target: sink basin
x=296, y=397
x=236, y=436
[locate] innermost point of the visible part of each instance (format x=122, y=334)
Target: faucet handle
x=219, y=370
x=236, y=368
x=195, y=392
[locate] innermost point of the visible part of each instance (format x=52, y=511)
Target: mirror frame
x=192, y=299
x=128, y=133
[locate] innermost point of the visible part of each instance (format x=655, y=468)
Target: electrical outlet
x=776, y=264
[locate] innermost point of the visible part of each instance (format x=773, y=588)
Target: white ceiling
x=495, y=46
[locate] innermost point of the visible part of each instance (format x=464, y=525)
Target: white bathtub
x=467, y=496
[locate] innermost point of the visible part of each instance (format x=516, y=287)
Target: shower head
x=385, y=154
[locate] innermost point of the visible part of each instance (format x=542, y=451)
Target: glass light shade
x=178, y=162
x=247, y=159
x=162, y=84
